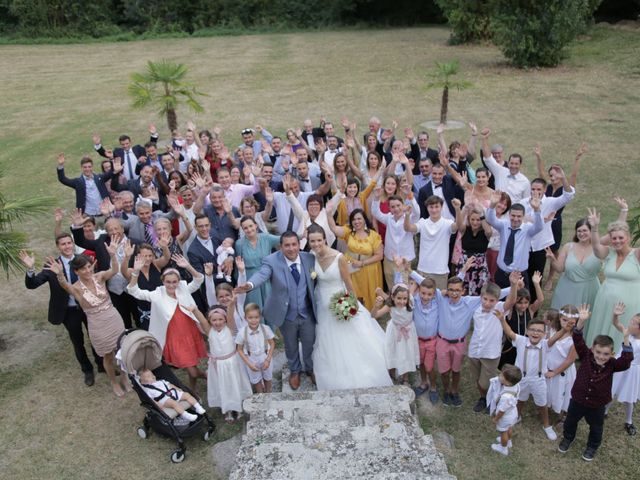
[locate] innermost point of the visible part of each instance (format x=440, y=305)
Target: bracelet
x=135, y=274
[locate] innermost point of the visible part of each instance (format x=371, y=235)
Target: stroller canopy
x=140, y=350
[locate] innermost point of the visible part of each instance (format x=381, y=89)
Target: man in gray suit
x=291, y=306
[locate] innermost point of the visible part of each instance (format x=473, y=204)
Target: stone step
x=347, y=434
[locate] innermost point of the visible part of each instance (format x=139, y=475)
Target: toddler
x=166, y=394
x=255, y=346
x=503, y=394
x=224, y=251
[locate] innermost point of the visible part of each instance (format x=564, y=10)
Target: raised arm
x=573, y=176
x=471, y=149
x=558, y=262
x=599, y=250
x=112, y=248
x=408, y=226
x=537, y=152
x=505, y=326
x=535, y=306
x=338, y=230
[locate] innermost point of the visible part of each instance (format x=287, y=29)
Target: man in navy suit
x=63, y=308
x=442, y=186
x=291, y=306
x=127, y=152
x=90, y=187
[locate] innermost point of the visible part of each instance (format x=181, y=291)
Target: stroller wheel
x=142, y=432
x=177, y=456
x=207, y=435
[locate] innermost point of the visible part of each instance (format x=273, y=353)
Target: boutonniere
x=313, y=274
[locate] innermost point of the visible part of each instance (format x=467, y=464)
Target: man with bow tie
x=442, y=186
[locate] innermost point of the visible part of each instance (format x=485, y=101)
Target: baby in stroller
x=166, y=394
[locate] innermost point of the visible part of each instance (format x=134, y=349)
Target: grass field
x=53, y=97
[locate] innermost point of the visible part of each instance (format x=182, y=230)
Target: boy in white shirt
x=485, y=345
x=255, y=346
x=435, y=235
x=504, y=392
x=531, y=358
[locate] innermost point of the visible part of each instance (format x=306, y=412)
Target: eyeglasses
x=247, y=131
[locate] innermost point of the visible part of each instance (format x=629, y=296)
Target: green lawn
x=54, y=97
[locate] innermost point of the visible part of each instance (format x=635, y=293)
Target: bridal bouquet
x=344, y=306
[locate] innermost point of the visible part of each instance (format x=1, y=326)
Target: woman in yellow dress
x=364, y=254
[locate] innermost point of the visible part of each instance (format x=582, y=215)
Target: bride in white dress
x=346, y=354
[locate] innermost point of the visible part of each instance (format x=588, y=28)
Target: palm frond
x=10, y=245
x=18, y=210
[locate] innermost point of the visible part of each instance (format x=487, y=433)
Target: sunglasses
x=247, y=131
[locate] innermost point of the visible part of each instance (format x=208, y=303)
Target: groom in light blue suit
x=291, y=306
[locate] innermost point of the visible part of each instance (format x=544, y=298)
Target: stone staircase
x=343, y=434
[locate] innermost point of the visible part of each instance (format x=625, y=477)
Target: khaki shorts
x=483, y=370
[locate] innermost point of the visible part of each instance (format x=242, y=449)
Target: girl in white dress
x=626, y=384
x=228, y=384
x=561, y=362
x=402, y=352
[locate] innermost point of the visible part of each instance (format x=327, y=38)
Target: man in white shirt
x=508, y=179
x=397, y=241
x=435, y=233
x=548, y=207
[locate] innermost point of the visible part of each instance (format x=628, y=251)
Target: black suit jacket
x=415, y=154
x=58, y=299
x=79, y=186
x=98, y=245
x=450, y=190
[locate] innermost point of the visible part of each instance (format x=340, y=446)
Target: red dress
x=184, y=346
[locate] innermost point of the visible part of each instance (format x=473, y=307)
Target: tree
x=163, y=85
x=442, y=79
x=535, y=33
x=11, y=242
x=470, y=20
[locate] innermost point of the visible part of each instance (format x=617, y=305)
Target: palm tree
x=442, y=79
x=163, y=85
x=11, y=242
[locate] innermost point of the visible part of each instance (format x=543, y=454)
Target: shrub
x=533, y=33
x=469, y=20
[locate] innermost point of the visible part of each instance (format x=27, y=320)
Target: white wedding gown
x=346, y=354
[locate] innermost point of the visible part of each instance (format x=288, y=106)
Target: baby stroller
x=138, y=350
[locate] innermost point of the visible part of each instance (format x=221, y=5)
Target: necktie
x=71, y=274
x=128, y=160
x=508, y=251
x=148, y=234
x=295, y=273
x=290, y=222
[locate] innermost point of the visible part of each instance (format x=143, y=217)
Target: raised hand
x=298, y=132
x=96, y=139
x=61, y=159
x=456, y=203
x=473, y=127
x=112, y=247
x=27, y=260
x=514, y=278
x=58, y=215
x=537, y=151
x=582, y=149
x=106, y=207
x=549, y=253
x=377, y=192
x=583, y=315
x=208, y=269
x=535, y=204
x=495, y=198
x=618, y=309
x=536, y=277
x=53, y=265
x=408, y=132
x=345, y=123
x=180, y=260
x=268, y=194
x=152, y=129
x=440, y=129
x=593, y=218
x=622, y=203
x=129, y=248
x=165, y=240
x=485, y=132
x=138, y=263
x=240, y=264
x=77, y=218
x=117, y=165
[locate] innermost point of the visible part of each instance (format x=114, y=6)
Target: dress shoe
x=89, y=379
x=312, y=377
x=294, y=380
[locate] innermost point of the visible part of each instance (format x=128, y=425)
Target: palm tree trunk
x=172, y=120
x=445, y=105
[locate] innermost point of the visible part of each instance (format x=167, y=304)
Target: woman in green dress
x=253, y=248
x=579, y=282
x=622, y=280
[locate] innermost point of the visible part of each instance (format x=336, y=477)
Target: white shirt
x=438, y=191
x=67, y=268
x=486, y=340
x=255, y=339
x=92, y=196
x=434, y=245
x=283, y=209
x=534, y=353
x=129, y=163
x=544, y=238
x=206, y=243
x=397, y=242
x=516, y=186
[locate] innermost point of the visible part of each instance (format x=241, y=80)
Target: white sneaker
x=189, y=416
x=496, y=447
x=509, y=444
x=551, y=434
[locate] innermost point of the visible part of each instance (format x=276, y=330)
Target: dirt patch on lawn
x=21, y=344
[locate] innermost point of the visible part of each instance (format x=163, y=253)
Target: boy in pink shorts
x=455, y=313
